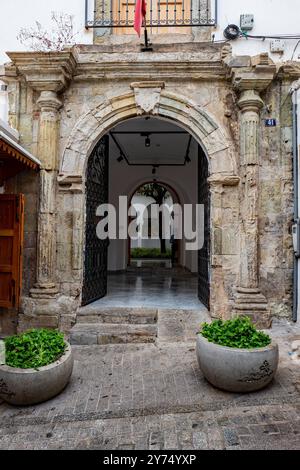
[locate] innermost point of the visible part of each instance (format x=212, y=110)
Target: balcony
x=118, y=15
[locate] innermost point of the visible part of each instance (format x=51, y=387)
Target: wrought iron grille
x=95, y=260
x=160, y=13
x=204, y=253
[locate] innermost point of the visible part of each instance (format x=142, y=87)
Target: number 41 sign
x=270, y=122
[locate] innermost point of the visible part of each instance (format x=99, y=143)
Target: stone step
x=107, y=333
x=95, y=314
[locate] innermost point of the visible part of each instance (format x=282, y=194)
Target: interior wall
x=124, y=180
x=139, y=201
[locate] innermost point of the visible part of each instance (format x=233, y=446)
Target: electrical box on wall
x=277, y=45
x=246, y=22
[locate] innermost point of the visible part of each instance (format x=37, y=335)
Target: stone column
x=223, y=246
x=249, y=299
x=49, y=105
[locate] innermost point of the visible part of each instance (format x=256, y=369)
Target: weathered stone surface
x=95, y=314
x=105, y=333
x=187, y=82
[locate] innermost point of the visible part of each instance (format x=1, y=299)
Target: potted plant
x=37, y=366
x=234, y=356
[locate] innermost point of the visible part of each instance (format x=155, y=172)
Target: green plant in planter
x=239, y=332
x=34, y=348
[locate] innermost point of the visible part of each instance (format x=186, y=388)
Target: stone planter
x=30, y=386
x=234, y=369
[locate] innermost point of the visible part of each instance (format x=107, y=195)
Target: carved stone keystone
x=147, y=96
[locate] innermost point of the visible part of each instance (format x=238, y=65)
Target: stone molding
x=48, y=101
x=290, y=70
x=70, y=183
x=223, y=180
x=203, y=62
x=250, y=101
x=258, y=75
x=188, y=114
x=45, y=71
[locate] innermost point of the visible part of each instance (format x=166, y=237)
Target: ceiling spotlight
x=120, y=158
x=147, y=141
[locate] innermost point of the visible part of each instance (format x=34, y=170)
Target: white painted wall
x=144, y=241
x=17, y=14
x=271, y=17
x=3, y=103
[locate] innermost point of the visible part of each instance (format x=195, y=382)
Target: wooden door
x=11, y=245
x=158, y=11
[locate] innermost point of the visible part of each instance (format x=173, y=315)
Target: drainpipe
x=296, y=182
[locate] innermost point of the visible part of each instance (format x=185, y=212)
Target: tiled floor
x=154, y=396
x=152, y=286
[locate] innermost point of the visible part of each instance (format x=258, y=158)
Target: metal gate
x=95, y=259
x=204, y=252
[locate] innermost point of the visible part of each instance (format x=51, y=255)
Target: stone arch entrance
x=151, y=99
x=156, y=102
x=97, y=189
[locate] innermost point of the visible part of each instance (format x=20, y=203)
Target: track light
x=147, y=141
x=120, y=158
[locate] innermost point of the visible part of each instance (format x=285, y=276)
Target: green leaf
x=34, y=348
x=239, y=332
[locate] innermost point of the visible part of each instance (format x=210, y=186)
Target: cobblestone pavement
x=153, y=396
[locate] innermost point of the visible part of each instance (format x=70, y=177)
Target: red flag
x=139, y=15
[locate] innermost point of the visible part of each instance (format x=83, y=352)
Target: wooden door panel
x=11, y=240
x=7, y=213
x=6, y=250
x=6, y=288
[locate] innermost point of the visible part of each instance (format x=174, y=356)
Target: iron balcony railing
x=160, y=13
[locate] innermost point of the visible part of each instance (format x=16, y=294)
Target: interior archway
x=144, y=250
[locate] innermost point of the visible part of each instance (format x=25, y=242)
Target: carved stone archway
x=150, y=98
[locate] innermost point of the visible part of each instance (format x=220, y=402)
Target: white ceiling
x=164, y=148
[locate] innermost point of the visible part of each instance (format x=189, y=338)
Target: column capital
x=256, y=74
x=48, y=101
x=250, y=101
x=45, y=71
